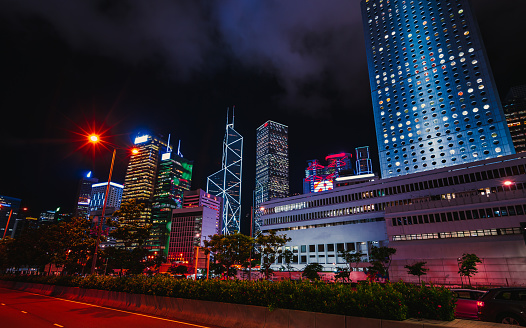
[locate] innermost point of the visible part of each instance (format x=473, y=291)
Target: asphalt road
x=23, y=309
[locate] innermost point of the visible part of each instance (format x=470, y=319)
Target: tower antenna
x=179, y=149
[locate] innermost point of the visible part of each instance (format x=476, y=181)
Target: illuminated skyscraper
x=226, y=183
x=173, y=179
x=514, y=106
x=141, y=175
x=98, y=191
x=272, y=164
x=434, y=99
x=82, y=208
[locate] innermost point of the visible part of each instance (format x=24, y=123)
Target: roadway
x=23, y=309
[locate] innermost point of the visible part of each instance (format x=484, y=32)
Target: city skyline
x=66, y=83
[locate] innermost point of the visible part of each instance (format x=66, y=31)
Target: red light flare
x=92, y=137
x=508, y=183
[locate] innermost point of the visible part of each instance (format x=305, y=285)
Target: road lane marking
x=56, y=324
x=112, y=309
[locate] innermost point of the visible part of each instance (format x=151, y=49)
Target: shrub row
x=393, y=301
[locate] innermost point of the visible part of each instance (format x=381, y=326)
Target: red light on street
x=480, y=304
x=508, y=183
x=94, y=138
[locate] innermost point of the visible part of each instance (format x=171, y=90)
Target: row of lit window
x=324, y=225
x=411, y=187
x=481, y=213
x=459, y=234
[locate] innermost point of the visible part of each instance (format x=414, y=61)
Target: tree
x=269, y=246
x=467, y=265
x=229, y=250
x=380, y=258
x=129, y=228
x=349, y=258
x=342, y=273
x=417, y=269
x=288, y=256
x=311, y=271
x=131, y=232
x=178, y=270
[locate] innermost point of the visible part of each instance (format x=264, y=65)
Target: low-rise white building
x=433, y=216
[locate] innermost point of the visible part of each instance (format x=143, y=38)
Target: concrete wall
x=225, y=314
x=498, y=268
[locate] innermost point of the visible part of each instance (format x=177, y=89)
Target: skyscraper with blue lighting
x=226, y=183
x=434, y=99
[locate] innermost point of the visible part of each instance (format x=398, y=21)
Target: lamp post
x=94, y=139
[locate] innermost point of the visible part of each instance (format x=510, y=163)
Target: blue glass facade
x=434, y=99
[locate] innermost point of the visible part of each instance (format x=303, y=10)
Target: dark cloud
x=306, y=44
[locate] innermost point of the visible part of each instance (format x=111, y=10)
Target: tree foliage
x=269, y=246
x=417, y=269
x=65, y=244
x=380, y=258
x=230, y=250
x=129, y=228
x=311, y=271
x=468, y=265
x=350, y=258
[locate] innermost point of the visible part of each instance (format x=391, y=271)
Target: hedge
x=393, y=301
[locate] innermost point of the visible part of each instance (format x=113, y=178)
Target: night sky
x=176, y=66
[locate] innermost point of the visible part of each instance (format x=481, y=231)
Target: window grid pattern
x=433, y=94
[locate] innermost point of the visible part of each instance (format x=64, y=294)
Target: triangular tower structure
x=226, y=183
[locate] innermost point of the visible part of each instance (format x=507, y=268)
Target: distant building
x=9, y=208
x=272, y=165
x=514, y=106
x=321, y=178
x=48, y=217
x=141, y=174
x=363, y=161
x=434, y=100
x=174, y=177
x=199, y=218
x=98, y=191
x=82, y=207
x=226, y=183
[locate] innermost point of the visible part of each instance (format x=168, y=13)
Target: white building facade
x=433, y=216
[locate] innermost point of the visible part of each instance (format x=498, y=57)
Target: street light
x=94, y=139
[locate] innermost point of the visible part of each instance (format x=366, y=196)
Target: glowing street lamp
x=508, y=183
x=135, y=151
x=94, y=139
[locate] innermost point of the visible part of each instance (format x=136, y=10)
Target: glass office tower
x=141, y=173
x=434, y=99
x=272, y=165
x=174, y=177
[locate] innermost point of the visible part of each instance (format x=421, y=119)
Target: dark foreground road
x=23, y=309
